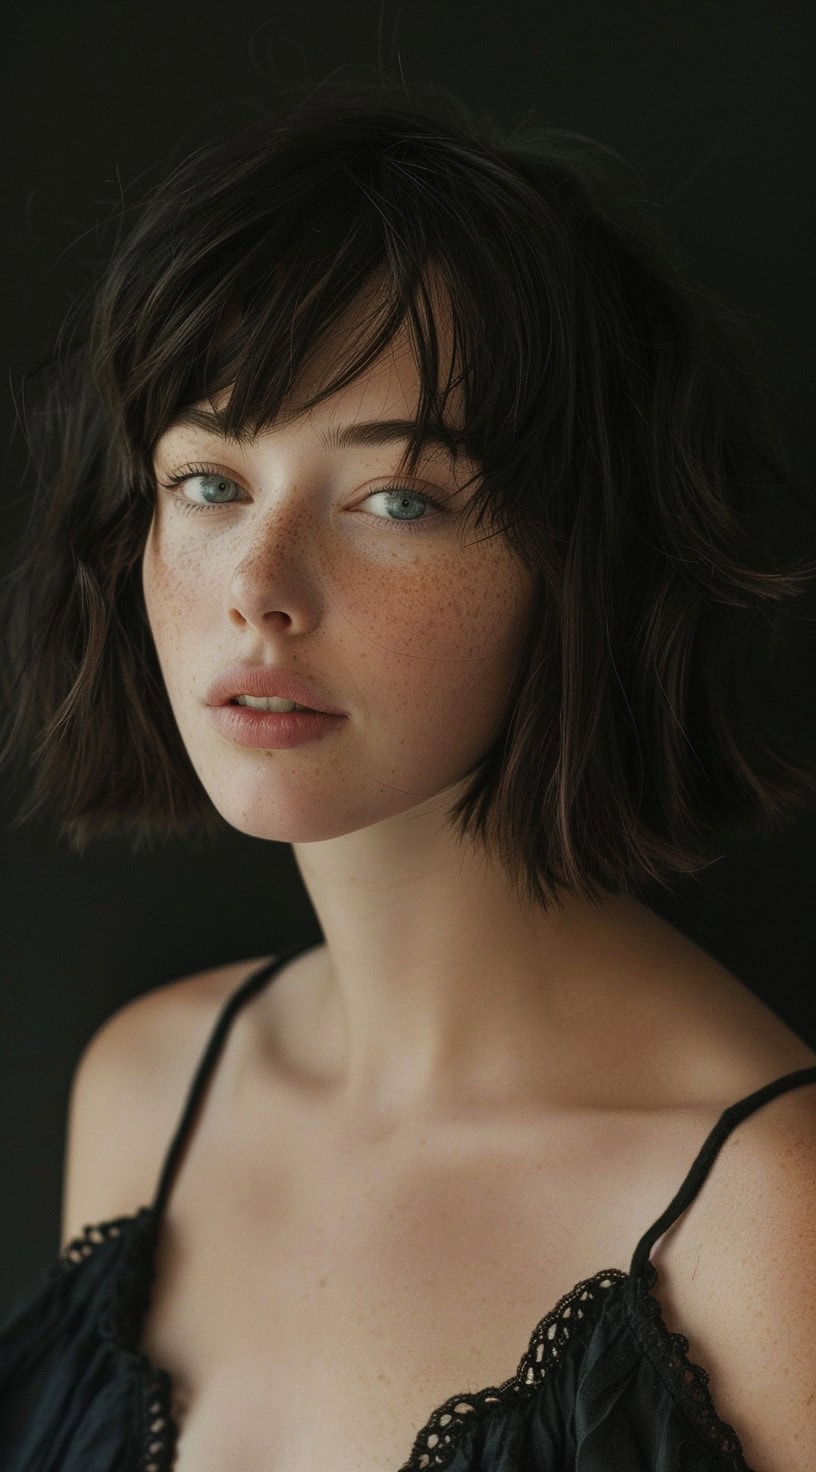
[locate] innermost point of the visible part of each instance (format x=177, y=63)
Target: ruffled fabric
x=75, y=1396
x=616, y=1393
x=454, y=1434
x=603, y=1386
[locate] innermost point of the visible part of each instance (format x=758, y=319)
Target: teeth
x=268, y=702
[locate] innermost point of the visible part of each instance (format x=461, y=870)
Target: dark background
x=714, y=102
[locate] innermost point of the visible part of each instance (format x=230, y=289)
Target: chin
x=275, y=825
x=305, y=817
x=279, y=817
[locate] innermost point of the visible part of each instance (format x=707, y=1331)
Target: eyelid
x=192, y=469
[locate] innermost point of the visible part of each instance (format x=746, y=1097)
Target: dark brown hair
x=627, y=449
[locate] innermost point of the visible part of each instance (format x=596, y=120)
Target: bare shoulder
x=717, y=1040
x=760, y=1165
x=128, y=1090
x=734, y=1274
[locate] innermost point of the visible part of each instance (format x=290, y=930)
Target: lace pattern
x=83, y=1245
x=436, y=1443
x=159, y=1430
x=127, y=1292
x=119, y=1321
x=687, y=1383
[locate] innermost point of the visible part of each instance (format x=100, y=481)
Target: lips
x=266, y=679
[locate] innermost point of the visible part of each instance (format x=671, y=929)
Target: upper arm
x=117, y=1074
x=127, y=1093
x=743, y=1288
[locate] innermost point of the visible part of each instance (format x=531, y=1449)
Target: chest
x=317, y=1313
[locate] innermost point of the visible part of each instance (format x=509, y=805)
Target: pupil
x=219, y=481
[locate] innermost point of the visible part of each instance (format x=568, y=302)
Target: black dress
x=603, y=1385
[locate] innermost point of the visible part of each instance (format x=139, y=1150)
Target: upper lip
x=265, y=679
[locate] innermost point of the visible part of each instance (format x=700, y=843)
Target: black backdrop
x=713, y=101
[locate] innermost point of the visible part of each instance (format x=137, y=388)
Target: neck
x=438, y=989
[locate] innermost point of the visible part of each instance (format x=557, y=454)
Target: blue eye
x=400, y=496
x=197, y=472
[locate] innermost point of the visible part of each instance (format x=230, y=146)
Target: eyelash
x=191, y=471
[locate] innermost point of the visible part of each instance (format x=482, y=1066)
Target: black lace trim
x=436, y=1443
x=120, y=1318
x=687, y=1383
x=159, y=1429
x=89, y=1239
x=126, y=1292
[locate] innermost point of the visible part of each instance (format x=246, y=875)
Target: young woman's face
x=407, y=623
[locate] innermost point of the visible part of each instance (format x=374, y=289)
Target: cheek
x=170, y=587
x=174, y=571
x=448, y=626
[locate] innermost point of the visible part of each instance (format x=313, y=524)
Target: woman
x=423, y=427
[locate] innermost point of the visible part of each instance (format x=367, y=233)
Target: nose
x=270, y=584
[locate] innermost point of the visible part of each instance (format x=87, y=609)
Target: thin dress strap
x=706, y=1156
x=248, y=988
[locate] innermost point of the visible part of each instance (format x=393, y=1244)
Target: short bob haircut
x=625, y=442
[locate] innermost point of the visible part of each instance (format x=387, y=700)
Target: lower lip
x=268, y=728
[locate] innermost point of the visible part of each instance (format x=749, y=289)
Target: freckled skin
x=413, y=634
x=435, y=983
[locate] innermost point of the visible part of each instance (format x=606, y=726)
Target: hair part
x=627, y=449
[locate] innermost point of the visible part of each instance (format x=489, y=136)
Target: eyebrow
x=368, y=432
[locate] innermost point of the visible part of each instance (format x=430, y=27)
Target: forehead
x=392, y=379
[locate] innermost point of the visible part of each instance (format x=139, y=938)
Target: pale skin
x=436, y=986
x=441, y=1034
x=433, y=973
